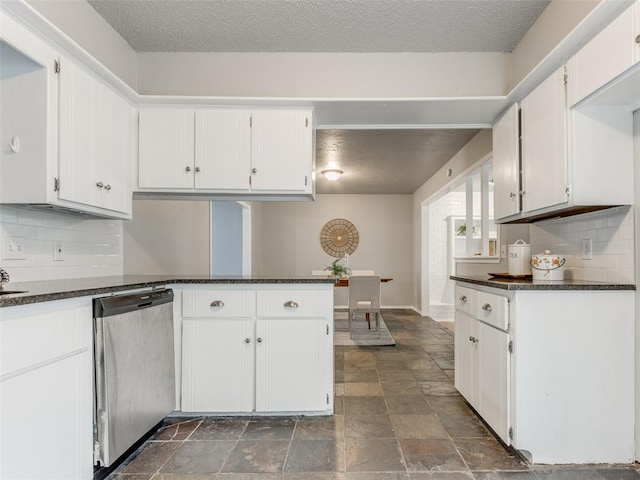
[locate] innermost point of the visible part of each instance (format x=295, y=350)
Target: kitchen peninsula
x=549, y=365
x=242, y=345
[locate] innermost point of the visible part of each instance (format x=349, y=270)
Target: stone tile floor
x=397, y=417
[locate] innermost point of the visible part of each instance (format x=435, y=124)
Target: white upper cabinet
x=95, y=142
x=226, y=151
x=223, y=149
x=506, y=164
x=72, y=134
x=544, y=144
x=282, y=150
x=606, y=56
x=166, y=148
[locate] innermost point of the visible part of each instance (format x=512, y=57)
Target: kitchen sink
x=7, y=292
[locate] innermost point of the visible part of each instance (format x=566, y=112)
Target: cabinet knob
x=217, y=303
x=254, y=170
x=638, y=39
x=512, y=195
x=197, y=169
x=522, y=192
x=100, y=185
x=473, y=339
x=259, y=339
x=247, y=340
x=107, y=187
x=291, y=304
x=187, y=169
x=486, y=307
x=463, y=298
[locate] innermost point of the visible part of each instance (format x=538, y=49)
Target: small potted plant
x=338, y=269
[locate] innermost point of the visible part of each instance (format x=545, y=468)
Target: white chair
x=364, y=297
x=359, y=273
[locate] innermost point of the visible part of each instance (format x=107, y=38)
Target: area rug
x=362, y=336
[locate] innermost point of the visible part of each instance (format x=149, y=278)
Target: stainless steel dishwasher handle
x=217, y=303
x=291, y=304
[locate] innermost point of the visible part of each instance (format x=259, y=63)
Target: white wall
x=92, y=248
x=551, y=27
x=82, y=24
x=324, y=75
x=291, y=239
x=168, y=238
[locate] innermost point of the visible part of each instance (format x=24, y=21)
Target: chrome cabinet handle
x=463, y=298
x=486, y=307
x=473, y=339
x=247, y=340
x=254, y=170
x=187, y=169
x=291, y=304
x=100, y=185
x=259, y=340
x=217, y=303
x=107, y=187
x=638, y=39
x=512, y=195
x=197, y=169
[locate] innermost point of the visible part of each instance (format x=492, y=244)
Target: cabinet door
x=606, y=56
x=166, y=157
x=78, y=134
x=281, y=150
x=223, y=149
x=494, y=383
x=544, y=144
x=506, y=164
x=293, y=365
x=466, y=353
x=218, y=365
x=113, y=164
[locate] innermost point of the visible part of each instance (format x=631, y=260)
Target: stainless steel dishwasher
x=135, y=373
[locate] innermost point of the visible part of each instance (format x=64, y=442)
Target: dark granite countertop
x=519, y=284
x=46, y=291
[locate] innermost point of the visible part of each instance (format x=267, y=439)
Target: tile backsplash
x=90, y=248
x=612, y=234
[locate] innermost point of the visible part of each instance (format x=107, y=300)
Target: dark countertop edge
x=35, y=296
x=506, y=284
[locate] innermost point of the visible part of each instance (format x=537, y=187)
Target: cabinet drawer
x=492, y=309
x=218, y=303
x=466, y=300
x=35, y=340
x=295, y=303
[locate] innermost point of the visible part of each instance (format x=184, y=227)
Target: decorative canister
x=519, y=255
x=547, y=266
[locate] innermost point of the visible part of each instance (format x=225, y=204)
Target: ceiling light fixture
x=332, y=174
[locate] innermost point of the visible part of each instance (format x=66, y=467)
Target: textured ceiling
x=384, y=161
x=321, y=25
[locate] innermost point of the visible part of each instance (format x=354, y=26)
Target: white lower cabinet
x=556, y=383
x=257, y=350
x=482, y=373
x=46, y=409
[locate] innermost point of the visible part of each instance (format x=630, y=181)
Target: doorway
x=230, y=238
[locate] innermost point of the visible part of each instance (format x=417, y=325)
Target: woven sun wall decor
x=339, y=237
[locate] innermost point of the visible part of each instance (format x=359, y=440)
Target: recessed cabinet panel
x=506, y=164
x=293, y=303
x=492, y=309
x=166, y=157
x=218, y=365
x=494, y=386
x=219, y=303
x=79, y=133
x=466, y=356
x=223, y=149
x=291, y=360
x=281, y=150
x=466, y=299
x=544, y=145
